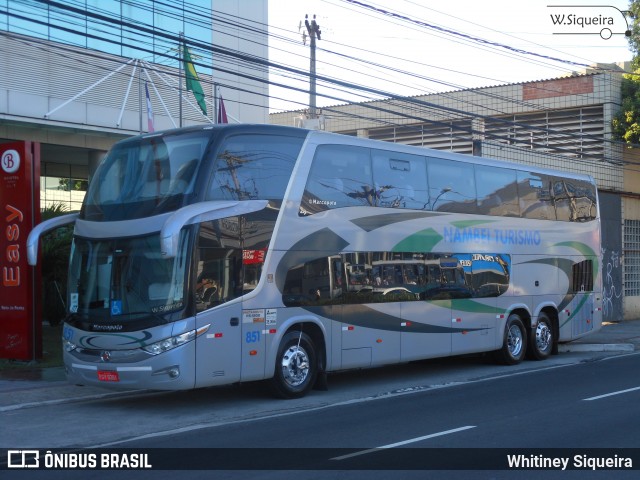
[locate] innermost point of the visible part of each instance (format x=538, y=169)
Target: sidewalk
x=29, y=387
x=612, y=337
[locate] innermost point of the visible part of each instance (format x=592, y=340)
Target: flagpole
x=215, y=103
x=140, y=97
x=180, y=46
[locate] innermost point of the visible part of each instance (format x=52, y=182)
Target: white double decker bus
x=221, y=254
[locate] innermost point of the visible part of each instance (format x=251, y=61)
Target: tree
x=634, y=38
x=626, y=123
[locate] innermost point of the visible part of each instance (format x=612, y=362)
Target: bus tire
x=296, y=366
x=514, y=344
x=542, y=338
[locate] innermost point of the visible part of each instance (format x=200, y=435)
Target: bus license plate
x=108, y=376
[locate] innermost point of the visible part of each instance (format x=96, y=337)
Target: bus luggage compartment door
x=370, y=335
x=426, y=329
x=583, y=318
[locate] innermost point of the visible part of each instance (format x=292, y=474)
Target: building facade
x=76, y=76
x=562, y=123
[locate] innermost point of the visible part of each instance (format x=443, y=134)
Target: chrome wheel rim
x=514, y=341
x=543, y=336
x=295, y=366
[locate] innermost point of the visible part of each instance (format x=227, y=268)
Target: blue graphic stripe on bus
x=89, y=341
x=363, y=316
x=323, y=241
x=374, y=222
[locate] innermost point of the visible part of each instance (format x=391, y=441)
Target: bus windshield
x=125, y=279
x=148, y=176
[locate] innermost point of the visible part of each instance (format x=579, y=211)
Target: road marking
x=611, y=394
x=399, y=444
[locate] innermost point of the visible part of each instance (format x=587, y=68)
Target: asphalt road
x=571, y=406
x=587, y=405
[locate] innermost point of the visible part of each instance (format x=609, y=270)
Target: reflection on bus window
x=535, y=196
x=400, y=179
x=349, y=176
x=452, y=186
x=373, y=277
x=145, y=177
x=497, y=191
x=250, y=167
x=231, y=253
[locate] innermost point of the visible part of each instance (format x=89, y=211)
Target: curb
x=596, y=347
x=61, y=399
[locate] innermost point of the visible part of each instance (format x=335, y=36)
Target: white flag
x=149, y=110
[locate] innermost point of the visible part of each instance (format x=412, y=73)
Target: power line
x=472, y=38
x=263, y=63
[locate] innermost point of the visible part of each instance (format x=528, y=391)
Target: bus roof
x=318, y=136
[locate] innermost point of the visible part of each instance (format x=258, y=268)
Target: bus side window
x=452, y=186
x=340, y=177
x=573, y=200
x=497, y=191
x=254, y=167
x=535, y=192
x=400, y=180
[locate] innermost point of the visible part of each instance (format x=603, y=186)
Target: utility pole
x=314, y=31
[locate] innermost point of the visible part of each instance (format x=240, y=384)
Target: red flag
x=222, y=112
x=149, y=110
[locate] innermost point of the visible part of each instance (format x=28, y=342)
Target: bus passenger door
x=218, y=304
x=218, y=350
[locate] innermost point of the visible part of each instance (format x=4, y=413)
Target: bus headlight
x=68, y=346
x=173, y=342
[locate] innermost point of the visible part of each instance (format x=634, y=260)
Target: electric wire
x=463, y=113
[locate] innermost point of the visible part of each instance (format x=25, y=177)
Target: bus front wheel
x=296, y=366
x=542, y=338
x=514, y=344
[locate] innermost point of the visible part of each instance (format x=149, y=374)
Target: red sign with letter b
x=20, y=325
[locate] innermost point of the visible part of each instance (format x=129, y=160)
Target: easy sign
x=20, y=325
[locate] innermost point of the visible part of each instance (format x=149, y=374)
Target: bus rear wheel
x=514, y=344
x=296, y=366
x=542, y=338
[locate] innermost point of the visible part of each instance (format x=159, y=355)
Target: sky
x=425, y=46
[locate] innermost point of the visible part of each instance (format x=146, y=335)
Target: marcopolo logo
x=10, y=161
x=603, y=20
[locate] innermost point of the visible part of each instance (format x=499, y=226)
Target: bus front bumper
x=171, y=370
